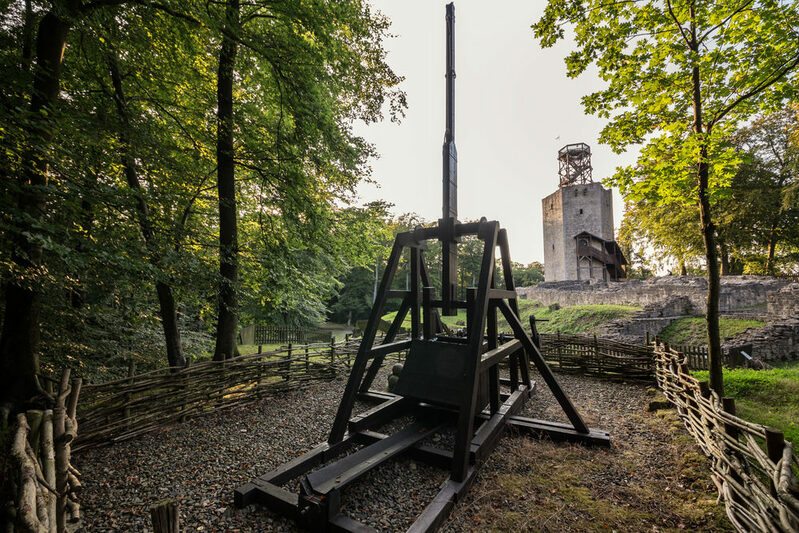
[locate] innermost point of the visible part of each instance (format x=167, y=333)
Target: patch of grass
x=693, y=330
x=768, y=397
x=572, y=319
x=569, y=320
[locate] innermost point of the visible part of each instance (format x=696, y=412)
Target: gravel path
x=202, y=461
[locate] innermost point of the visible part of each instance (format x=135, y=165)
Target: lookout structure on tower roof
x=578, y=223
x=575, y=164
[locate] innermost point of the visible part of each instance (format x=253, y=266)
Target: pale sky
x=514, y=108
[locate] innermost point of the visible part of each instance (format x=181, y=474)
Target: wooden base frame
x=446, y=382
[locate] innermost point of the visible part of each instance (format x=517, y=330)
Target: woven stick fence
x=142, y=403
x=597, y=357
x=754, y=468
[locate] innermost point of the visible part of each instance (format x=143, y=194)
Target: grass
x=768, y=397
x=570, y=320
x=693, y=330
x=653, y=478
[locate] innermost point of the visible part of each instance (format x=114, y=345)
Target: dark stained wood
x=550, y=379
x=499, y=353
x=471, y=376
x=380, y=414
x=559, y=432
x=345, y=471
x=383, y=349
x=377, y=362
x=342, y=523
x=415, y=318
x=359, y=366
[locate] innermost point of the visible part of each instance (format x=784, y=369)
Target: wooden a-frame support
x=446, y=381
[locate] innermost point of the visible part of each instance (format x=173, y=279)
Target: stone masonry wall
x=652, y=320
x=785, y=302
x=737, y=292
x=776, y=341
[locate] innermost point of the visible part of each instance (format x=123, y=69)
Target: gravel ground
x=200, y=462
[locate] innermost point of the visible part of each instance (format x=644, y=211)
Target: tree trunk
x=226, y=186
x=683, y=268
x=19, y=342
x=708, y=229
x=166, y=300
x=725, y=257
x=772, y=248
x=77, y=294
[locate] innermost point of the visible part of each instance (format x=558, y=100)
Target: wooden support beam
x=380, y=414
x=377, y=362
x=414, y=299
x=338, y=475
x=549, y=378
x=361, y=360
x=559, y=432
x=342, y=523
x=384, y=349
x=501, y=294
x=468, y=403
x=492, y=357
x=437, y=511
x=488, y=434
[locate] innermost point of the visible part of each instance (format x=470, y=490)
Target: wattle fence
x=597, y=357
x=142, y=403
x=753, y=466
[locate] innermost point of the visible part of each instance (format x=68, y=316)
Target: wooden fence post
x=184, y=387
x=166, y=517
x=775, y=442
x=128, y=396
x=332, y=349
x=307, y=360
x=288, y=364
x=558, y=353
x=597, y=356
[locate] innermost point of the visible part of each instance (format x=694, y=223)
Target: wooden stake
x=48, y=462
x=166, y=517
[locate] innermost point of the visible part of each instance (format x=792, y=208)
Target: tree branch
x=756, y=90
x=723, y=22
x=677, y=22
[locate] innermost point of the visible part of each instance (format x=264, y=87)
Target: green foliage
x=691, y=331
x=768, y=397
x=648, y=52
x=528, y=275
x=680, y=77
x=304, y=74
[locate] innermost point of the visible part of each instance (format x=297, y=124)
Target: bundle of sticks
x=47, y=484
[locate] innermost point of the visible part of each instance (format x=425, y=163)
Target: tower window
x=553, y=246
x=581, y=211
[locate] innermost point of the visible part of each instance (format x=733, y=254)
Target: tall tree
x=227, y=318
x=166, y=298
x=680, y=75
x=19, y=340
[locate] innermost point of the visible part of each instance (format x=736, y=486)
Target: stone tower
x=578, y=223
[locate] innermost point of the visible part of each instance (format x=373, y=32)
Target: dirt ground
x=653, y=478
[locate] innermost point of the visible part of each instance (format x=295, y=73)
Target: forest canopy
x=129, y=129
